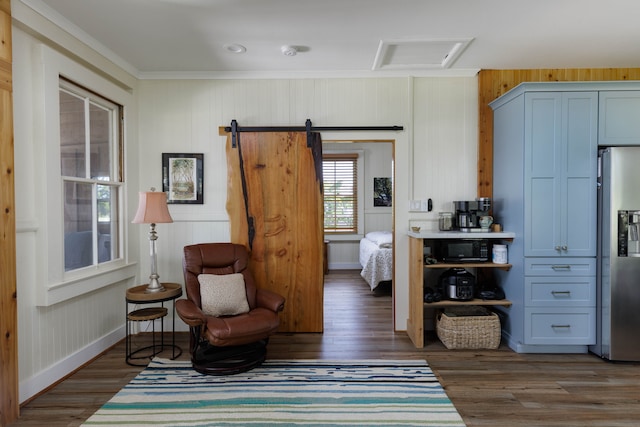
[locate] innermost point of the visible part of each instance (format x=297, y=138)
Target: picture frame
x=382, y=192
x=183, y=177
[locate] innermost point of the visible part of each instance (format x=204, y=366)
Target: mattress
x=376, y=257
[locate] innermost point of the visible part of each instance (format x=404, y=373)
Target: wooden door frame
x=9, y=396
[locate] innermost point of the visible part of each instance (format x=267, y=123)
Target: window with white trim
x=91, y=174
x=340, y=183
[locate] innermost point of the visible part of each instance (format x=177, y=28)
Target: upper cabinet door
x=619, y=120
x=560, y=173
x=579, y=173
x=543, y=151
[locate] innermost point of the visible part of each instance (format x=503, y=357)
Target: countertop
x=430, y=234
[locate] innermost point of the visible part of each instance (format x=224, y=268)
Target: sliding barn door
x=275, y=207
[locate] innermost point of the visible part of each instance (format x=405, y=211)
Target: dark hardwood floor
x=488, y=387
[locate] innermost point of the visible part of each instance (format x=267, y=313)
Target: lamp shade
x=152, y=208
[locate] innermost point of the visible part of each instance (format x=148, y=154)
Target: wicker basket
x=468, y=327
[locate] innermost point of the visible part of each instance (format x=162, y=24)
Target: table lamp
x=152, y=209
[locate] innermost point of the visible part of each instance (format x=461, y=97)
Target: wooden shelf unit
x=476, y=301
x=469, y=265
x=415, y=322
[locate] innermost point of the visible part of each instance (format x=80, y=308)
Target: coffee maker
x=469, y=212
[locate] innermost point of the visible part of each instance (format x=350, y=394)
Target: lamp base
x=154, y=286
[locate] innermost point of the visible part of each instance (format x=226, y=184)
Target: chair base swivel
x=212, y=360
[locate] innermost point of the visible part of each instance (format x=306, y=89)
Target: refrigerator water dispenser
x=628, y=233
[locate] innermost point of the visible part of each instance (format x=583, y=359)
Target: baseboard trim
x=344, y=266
x=57, y=372
x=519, y=347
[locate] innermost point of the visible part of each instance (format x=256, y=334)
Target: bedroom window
x=92, y=184
x=340, y=178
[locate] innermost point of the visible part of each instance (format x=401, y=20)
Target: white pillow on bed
x=383, y=239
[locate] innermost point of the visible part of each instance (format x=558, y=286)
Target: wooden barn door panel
x=275, y=208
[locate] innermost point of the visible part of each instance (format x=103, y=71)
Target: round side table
x=139, y=295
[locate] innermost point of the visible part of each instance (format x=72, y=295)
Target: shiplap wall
x=435, y=155
x=191, y=112
x=56, y=339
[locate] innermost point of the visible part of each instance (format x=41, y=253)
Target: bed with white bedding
x=376, y=257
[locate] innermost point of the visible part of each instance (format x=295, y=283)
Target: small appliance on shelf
x=473, y=215
x=457, y=284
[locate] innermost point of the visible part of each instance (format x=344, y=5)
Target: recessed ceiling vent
x=418, y=54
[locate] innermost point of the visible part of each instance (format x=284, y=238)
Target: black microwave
x=463, y=250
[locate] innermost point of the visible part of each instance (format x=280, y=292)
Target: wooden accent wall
x=9, y=398
x=493, y=83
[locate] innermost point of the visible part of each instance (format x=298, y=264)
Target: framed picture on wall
x=182, y=177
x=382, y=192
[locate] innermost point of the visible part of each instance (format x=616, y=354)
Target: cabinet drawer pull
x=560, y=326
x=558, y=293
x=560, y=267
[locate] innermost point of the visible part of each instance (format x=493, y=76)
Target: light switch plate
x=419, y=205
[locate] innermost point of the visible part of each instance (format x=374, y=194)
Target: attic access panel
x=418, y=54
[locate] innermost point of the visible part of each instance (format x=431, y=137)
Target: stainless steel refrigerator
x=618, y=266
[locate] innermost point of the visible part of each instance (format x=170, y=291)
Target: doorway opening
x=378, y=160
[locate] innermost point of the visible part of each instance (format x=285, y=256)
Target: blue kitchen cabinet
x=560, y=168
x=545, y=190
x=619, y=118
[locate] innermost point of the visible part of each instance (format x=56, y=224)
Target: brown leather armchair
x=226, y=344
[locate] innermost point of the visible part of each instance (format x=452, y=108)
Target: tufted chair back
x=216, y=258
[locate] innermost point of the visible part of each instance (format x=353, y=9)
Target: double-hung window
x=340, y=183
x=91, y=174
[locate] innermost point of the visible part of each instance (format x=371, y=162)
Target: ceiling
x=352, y=37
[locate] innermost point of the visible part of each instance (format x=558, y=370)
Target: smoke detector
x=289, y=50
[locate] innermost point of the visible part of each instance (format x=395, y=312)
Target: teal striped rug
x=283, y=393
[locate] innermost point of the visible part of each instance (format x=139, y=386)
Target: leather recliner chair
x=226, y=344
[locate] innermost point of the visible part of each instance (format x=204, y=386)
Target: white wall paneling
x=445, y=152
x=56, y=338
x=444, y=160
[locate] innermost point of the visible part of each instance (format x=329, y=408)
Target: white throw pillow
x=223, y=294
x=381, y=238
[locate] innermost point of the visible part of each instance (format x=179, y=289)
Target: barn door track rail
x=235, y=129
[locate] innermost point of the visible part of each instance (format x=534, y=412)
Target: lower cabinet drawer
x=559, y=291
x=560, y=266
x=560, y=326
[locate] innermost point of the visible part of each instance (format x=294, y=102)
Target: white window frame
x=115, y=149
x=56, y=285
x=361, y=211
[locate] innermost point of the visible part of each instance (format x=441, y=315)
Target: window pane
x=90, y=151
x=340, y=194
x=72, y=135
x=100, y=136
x=107, y=222
x=78, y=225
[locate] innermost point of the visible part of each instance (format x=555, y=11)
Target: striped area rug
x=283, y=393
